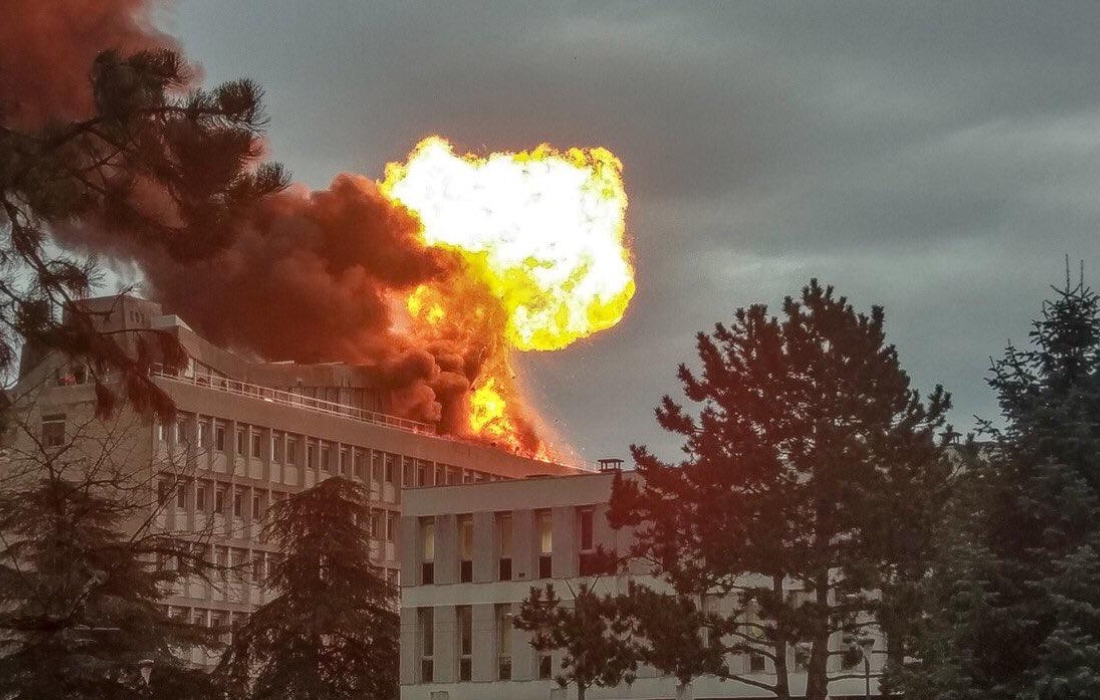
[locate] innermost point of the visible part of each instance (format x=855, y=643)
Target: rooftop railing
x=331, y=408
x=289, y=398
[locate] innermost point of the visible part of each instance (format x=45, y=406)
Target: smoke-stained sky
x=937, y=158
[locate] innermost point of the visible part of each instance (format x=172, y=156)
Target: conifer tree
x=804, y=443
x=1014, y=601
x=153, y=165
x=589, y=630
x=332, y=631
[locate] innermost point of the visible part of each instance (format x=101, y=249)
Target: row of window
x=464, y=643
x=215, y=497
x=504, y=533
x=294, y=449
x=502, y=647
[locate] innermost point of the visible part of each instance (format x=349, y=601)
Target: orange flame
x=541, y=237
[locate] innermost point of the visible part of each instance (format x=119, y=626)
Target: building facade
x=247, y=434
x=477, y=551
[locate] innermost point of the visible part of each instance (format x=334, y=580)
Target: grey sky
x=937, y=158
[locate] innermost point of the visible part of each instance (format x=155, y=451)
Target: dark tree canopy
x=1014, y=604
x=153, y=164
x=810, y=461
x=332, y=631
x=590, y=630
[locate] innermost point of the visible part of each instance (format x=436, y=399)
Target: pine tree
x=807, y=443
x=151, y=166
x=331, y=632
x=589, y=630
x=1017, y=578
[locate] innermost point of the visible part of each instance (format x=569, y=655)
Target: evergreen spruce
x=810, y=463
x=332, y=631
x=1014, y=609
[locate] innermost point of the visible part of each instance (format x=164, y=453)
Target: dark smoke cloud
x=308, y=280
x=47, y=50
x=312, y=275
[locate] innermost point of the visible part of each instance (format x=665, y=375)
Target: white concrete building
x=248, y=434
x=478, y=550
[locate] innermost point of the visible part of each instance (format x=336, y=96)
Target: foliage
x=332, y=631
x=1014, y=610
x=151, y=166
x=807, y=444
x=80, y=586
x=589, y=630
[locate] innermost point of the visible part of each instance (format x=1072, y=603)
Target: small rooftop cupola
x=610, y=464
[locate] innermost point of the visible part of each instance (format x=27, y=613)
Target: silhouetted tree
x=332, y=631
x=808, y=440
x=152, y=165
x=83, y=571
x=589, y=630
x=1013, y=602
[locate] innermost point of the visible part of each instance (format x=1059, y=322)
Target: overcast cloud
x=939, y=159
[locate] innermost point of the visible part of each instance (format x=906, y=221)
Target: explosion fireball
x=541, y=239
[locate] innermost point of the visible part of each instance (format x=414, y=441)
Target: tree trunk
x=782, y=677
x=817, y=672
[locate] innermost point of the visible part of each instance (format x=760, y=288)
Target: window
x=546, y=667
x=427, y=551
x=311, y=454
x=545, y=524
x=464, y=616
x=278, y=443
x=256, y=444
x=440, y=475
x=390, y=459
x=219, y=500
x=466, y=549
x=200, y=499
x=391, y=526
x=204, y=435
x=162, y=432
x=376, y=524
x=421, y=473
x=453, y=475
x=181, y=496
x=326, y=457
x=757, y=662
x=257, y=511
x=181, y=433
x=219, y=438
x=502, y=623
x=162, y=491
x=360, y=472
x=425, y=633
x=343, y=461
x=258, y=569
x=504, y=540
x=586, y=517
x=408, y=469
x=292, y=451
x=238, y=504
x=376, y=466
x=240, y=441
x=53, y=430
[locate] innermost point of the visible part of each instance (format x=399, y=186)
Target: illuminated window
x=427, y=551
x=504, y=540
x=545, y=523
x=466, y=549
